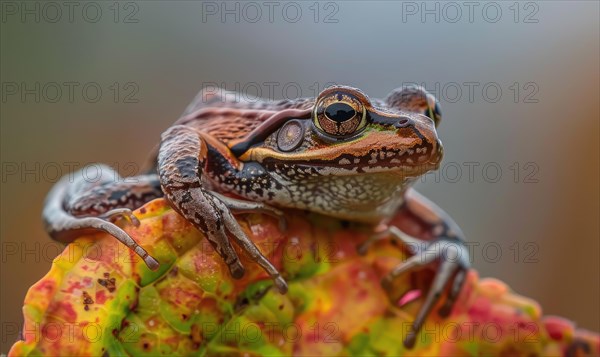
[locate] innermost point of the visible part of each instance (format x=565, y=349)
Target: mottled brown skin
x=341, y=154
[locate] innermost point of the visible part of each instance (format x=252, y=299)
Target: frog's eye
x=433, y=109
x=340, y=115
x=415, y=99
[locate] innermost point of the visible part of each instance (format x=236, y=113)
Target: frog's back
x=230, y=116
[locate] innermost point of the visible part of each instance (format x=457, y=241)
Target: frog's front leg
x=77, y=204
x=434, y=238
x=182, y=164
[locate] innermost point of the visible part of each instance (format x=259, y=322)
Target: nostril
x=403, y=122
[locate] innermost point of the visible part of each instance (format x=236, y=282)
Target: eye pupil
x=339, y=112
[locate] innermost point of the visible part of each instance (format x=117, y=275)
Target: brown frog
x=340, y=154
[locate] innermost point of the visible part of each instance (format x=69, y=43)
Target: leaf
x=99, y=298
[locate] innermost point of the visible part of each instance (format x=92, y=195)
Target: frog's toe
x=118, y=213
x=242, y=240
x=151, y=263
x=444, y=275
x=457, y=284
x=275, y=213
x=363, y=247
x=70, y=226
x=236, y=269
x=281, y=284
x=415, y=245
x=410, y=264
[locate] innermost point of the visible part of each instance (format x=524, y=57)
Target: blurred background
x=518, y=83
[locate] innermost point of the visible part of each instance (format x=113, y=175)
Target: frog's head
x=345, y=133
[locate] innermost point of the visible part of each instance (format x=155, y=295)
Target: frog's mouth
x=413, y=161
x=416, y=159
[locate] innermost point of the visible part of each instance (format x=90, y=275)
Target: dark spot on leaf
x=108, y=282
x=245, y=300
x=87, y=300
x=241, y=303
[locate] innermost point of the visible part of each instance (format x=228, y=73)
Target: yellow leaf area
x=100, y=299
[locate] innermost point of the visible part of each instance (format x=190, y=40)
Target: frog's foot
x=249, y=247
x=224, y=205
x=113, y=216
x=120, y=213
x=72, y=226
x=240, y=206
x=453, y=259
x=209, y=212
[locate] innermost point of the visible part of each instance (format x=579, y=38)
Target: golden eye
x=340, y=114
x=433, y=109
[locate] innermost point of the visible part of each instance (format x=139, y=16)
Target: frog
x=339, y=154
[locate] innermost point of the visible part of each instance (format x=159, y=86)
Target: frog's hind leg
x=77, y=205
